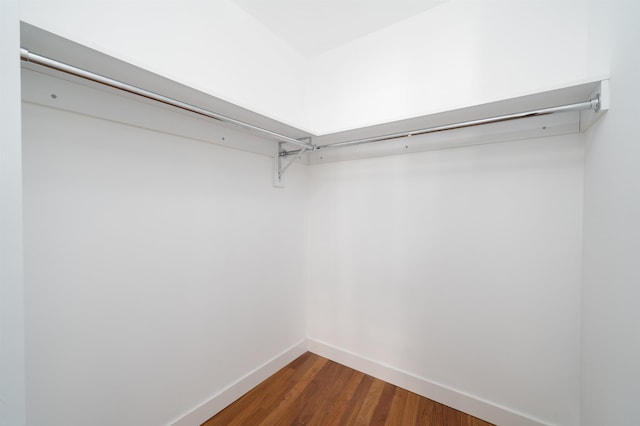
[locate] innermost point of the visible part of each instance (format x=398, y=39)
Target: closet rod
x=28, y=56
x=592, y=104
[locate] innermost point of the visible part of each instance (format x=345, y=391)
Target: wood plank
x=330, y=382
x=277, y=395
x=289, y=406
x=351, y=413
x=394, y=417
x=370, y=402
x=384, y=405
x=334, y=386
x=345, y=397
x=312, y=390
x=411, y=410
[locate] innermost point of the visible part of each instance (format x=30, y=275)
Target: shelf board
x=38, y=89
x=532, y=127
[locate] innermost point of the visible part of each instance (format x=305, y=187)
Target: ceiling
x=316, y=26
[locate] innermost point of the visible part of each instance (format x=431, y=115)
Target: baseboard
x=221, y=400
x=470, y=404
x=453, y=398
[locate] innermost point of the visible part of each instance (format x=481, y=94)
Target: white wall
x=460, y=53
x=11, y=278
x=461, y=267
x=611, y=291
x=159, y=269
x=212, y=46
x=402, y=256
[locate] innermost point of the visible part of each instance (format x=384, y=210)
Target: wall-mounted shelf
x=560, y=111
x=577, y=118
x=63, y=56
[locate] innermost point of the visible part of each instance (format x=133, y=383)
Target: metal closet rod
x=592, y=104
x=28, y=56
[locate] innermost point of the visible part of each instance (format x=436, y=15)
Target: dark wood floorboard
x=313, y=390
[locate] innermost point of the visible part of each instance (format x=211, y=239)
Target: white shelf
x=524, y=128
x=40, y=82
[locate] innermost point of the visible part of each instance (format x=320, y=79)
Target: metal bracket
x=281, y=165
x=601, y=100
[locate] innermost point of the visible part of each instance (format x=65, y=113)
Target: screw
x=544, y=127
x=53, y=95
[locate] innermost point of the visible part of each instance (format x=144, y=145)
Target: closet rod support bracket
x=281, y=165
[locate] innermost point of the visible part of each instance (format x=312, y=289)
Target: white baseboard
x=453, y=398
x=221, y=400
x=470, y=404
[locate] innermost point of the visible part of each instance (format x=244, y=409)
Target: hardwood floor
x=312, y=390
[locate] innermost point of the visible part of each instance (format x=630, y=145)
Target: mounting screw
x=53, y=95
x=544, y=127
